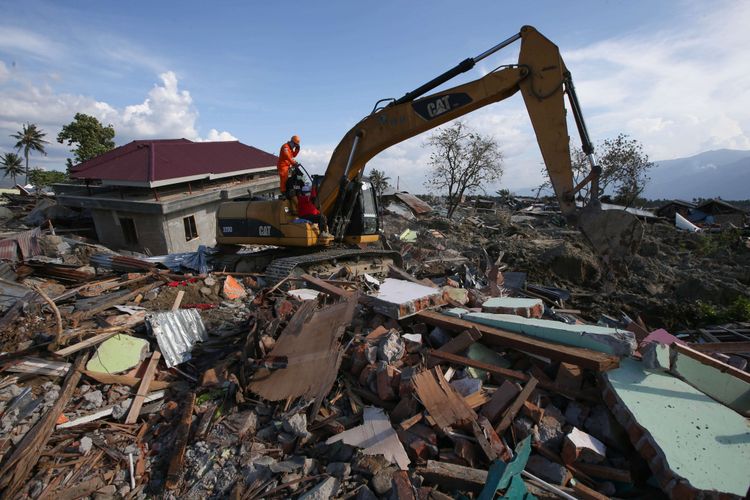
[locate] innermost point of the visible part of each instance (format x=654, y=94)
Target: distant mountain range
x=724, y=173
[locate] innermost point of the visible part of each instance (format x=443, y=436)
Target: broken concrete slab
x=694, y=445
x=579, y=446
x=607, y=340
x=118, y=354
x=655, y=356
x=376, y=437
x=323, y=491
x=724, y=387
x=400, y=299
x=496, y=337
x=527, y=308
x=304, y=294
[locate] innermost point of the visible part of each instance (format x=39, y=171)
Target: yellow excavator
x=348, y=200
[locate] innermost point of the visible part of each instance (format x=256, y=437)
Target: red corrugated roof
x=163, y=159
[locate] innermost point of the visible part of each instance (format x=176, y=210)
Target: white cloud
x=4, y=72
x=215, y=135
x=166, y=112
x=15, y=40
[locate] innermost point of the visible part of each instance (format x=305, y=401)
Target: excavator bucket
x=614, y=234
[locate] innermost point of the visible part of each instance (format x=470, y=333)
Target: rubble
x=503, y=358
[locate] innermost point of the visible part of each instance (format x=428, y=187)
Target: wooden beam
x=121, y=299
x=135, y=408
x=723, y=347
x=586, y=358
x=453, y=477
x=97, y=339
x=715, y=363
x=511, y=412
x=16, y=469
x=459, y=343
x=514, y=374
x=174, y=473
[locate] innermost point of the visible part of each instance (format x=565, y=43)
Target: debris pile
x=494, y=362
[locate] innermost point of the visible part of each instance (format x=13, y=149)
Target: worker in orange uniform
x=308, y=210
x=286, y=159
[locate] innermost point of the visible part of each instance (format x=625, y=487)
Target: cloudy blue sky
x=673, y=74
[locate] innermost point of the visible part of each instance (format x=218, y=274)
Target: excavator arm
x=540, y=76
x=543, y=80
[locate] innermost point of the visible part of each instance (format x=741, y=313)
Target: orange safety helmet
x=295, y=139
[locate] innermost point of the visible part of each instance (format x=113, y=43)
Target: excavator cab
x=364, y=223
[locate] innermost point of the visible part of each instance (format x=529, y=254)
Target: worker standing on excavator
x=287, y=154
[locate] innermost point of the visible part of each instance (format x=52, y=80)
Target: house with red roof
x=161, y=196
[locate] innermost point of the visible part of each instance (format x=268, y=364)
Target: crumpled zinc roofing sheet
x=176, y=333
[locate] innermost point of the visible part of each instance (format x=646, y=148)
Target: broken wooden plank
x=457, y=344
x=143, y=389
x=15, y=470
x=178, y=300
x=586, y=358
x=174, y=473
x=511, y=412
x=523, y=377
x=109, y=378
x=722, y=347
x=713, y=362
x=105, y=412
x=446, y=406
x=79, y=316
x=38, y=366
x=605, y=472
x=397, y=272
x=500, y=400
x=97, y=339
x=453, y=477
x=323, y=286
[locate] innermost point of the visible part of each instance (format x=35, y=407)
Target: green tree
x=30, y=138
x=41, y=179
x=379, y=181
x=90, y=137
x=462, y=162
x=624, y=167
x=12, y=165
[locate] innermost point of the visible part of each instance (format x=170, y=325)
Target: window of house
x=191, y=230
x=128, y=231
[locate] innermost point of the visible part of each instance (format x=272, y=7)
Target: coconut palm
x=30, y=138
x=12, y=165
x=379, y=181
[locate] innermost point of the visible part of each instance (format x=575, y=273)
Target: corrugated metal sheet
x=9, y=250
x=416, y=205
x=27, y=241
x=177, y=332
x=120, y=263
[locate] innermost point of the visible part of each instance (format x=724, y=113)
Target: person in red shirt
x=288, y=152
x=307, y=210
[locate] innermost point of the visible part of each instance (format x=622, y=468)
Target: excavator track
x=300, y=264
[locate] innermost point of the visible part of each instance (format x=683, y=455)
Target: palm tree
x=379, y=181
x=12, y=164
x=30, y=138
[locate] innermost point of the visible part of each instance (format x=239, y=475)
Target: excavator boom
x=542, y=79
